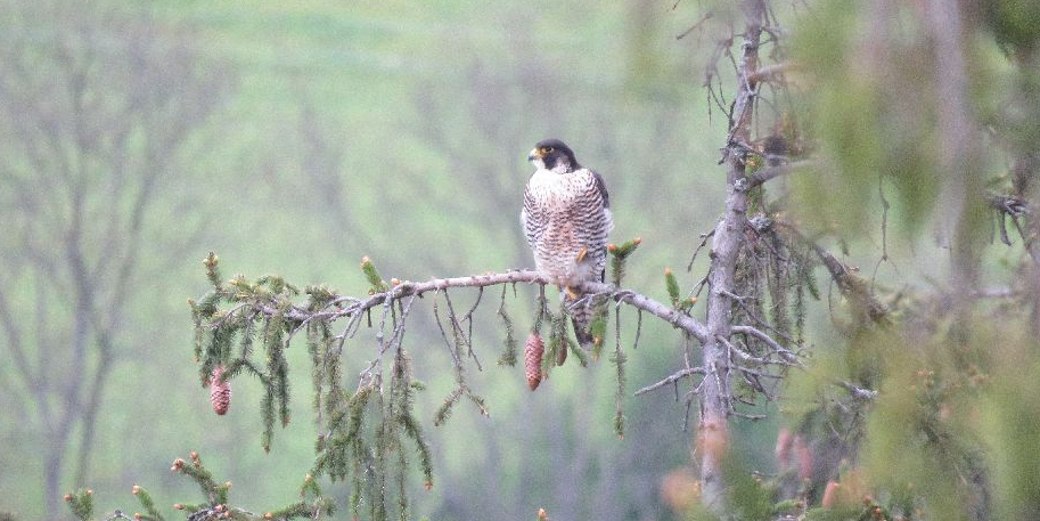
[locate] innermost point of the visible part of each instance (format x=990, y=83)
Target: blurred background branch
x=98, y=104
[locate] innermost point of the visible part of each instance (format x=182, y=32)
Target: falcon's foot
x=572, y=293
x=582, y=253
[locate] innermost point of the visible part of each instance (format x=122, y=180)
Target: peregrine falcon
x=566, y=218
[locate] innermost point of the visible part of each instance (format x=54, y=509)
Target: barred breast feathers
x=563, y=214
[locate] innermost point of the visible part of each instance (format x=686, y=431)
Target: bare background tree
x=97, y=105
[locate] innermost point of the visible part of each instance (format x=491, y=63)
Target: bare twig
x=452, y=349
x=787, y=354
x=704, y=242
x=748, y=357
x=671, y=379
x=707, y=16
x=771, y=172
x=858, y=392
x=771, y=72
x=996, y=293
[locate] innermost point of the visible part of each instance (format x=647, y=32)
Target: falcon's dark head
x=553, y=154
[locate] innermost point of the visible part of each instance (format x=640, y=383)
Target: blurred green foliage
x=933, y=443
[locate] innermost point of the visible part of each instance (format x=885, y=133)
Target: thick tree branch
x=677, y=319
x=348, y=306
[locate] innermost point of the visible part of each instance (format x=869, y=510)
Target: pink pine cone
x=219, y=391
x=533, y=351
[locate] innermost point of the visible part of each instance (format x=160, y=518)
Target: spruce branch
x=618, y=257
x=212, y=273
x=238, y=313
x=215, y=493
x=147, y=503
x=81, y=503
x=853, y=287
x=509, y=343
x=673, y=286
x=216, y=505
x=618, y=359
x=455, y=346
x=342, y=308
x=376, y=281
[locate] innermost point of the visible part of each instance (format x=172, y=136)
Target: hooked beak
x=534, y=154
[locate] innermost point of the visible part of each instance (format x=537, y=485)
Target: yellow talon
x=572, y=293
x=582, y=253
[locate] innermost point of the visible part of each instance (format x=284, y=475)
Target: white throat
x=561, y=167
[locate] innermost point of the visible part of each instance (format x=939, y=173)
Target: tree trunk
x=713, y=430
x=52, y=471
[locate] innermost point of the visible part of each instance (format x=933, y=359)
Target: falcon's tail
x=582, y=333
x=583, y=314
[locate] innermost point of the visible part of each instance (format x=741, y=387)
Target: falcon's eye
x=547, y=150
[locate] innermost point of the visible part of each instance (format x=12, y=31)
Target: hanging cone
x=219, y=391
x=533, y=351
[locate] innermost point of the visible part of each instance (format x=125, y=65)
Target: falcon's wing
x=600, y=218
x=533, y=219
x=608, y=216
x=602, y=187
